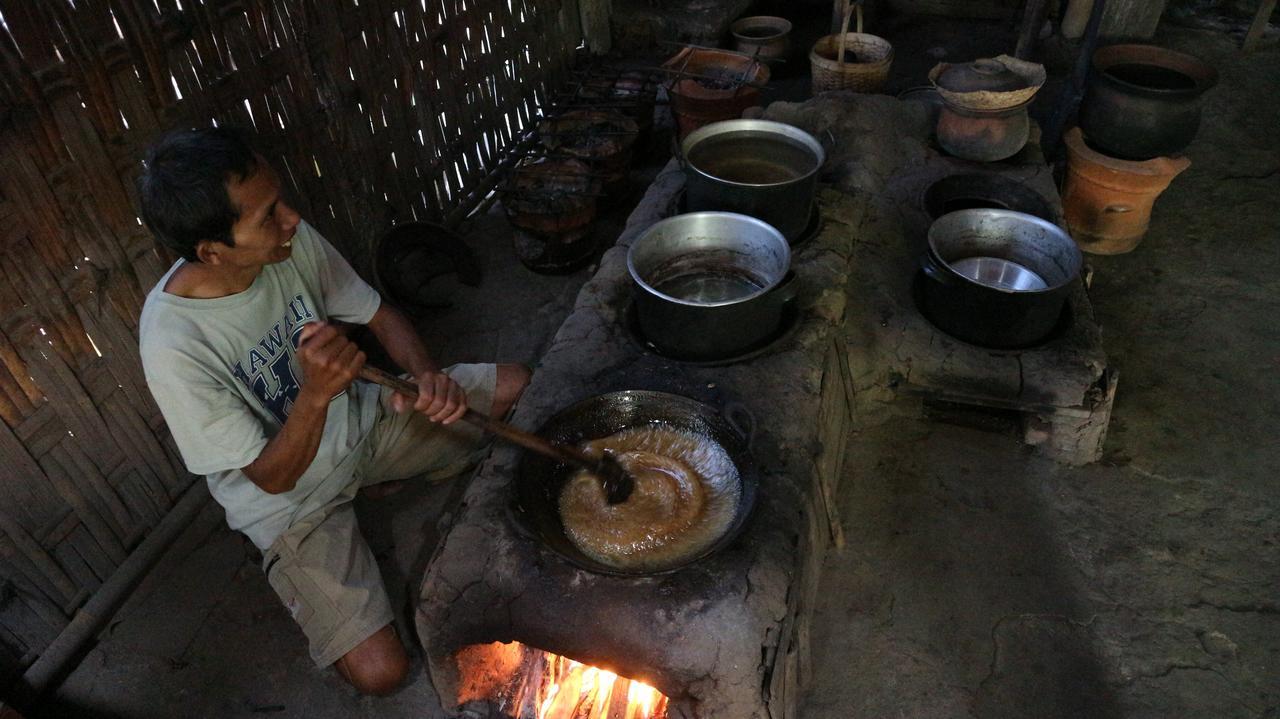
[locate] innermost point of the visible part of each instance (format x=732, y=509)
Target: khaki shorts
x=321, y=566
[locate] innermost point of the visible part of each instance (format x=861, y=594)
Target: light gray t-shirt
x=224, y=374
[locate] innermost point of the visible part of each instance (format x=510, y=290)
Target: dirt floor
x=978, y=580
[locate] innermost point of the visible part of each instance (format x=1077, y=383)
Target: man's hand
x=330, y=361
x=439, y=398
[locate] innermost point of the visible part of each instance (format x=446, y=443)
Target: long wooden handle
x=559, y=452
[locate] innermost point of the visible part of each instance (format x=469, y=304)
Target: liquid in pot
x=686, y=494
x=709, y=287
x=705, y=278
x=752, y=159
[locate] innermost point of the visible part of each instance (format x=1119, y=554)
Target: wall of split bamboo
x=374, y=111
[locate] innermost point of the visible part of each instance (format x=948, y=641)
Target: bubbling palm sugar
x=686, y=494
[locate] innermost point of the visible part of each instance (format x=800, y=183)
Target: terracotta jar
x=1107, y=201
x=712, y=85
x=984, y=106
x=983, y=135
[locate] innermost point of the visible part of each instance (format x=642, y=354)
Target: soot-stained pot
x=983, y=135
x=984, y=113
x=973, y=190
x=710, y=285
x=1144, y=101
x=768, y=170
x=997, y=278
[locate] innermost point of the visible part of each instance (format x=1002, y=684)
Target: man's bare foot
x=382, y=489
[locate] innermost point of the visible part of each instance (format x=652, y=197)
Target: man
x=257, y=387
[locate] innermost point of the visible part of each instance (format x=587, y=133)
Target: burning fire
x=549, y=686
x=578, y=691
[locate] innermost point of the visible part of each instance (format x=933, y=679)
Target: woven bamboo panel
x=374, y=111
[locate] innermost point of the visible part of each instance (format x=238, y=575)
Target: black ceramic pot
x=1143, y=101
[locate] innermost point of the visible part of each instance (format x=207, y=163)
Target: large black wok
x=539, y=480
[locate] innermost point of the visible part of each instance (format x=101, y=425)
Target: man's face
x=264, y=233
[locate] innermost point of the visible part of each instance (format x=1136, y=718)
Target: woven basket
x=831, y=72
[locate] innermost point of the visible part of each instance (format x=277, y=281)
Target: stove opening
x=515, y=681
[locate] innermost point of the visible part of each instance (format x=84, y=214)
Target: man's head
x=210, y=198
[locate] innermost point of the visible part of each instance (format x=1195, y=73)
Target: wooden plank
x=595, y=16
x=1259, y=25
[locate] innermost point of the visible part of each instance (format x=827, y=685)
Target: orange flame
x=573, y=690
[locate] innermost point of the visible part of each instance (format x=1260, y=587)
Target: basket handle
x=844, y=28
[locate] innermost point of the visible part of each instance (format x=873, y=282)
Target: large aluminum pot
x=759, y=168
x=997, y=278
x=710, y=285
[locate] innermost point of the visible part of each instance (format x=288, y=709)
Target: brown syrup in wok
x=686, y=494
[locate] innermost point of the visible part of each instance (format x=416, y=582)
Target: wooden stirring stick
x=617, y=483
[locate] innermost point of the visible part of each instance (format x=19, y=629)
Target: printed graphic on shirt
x=268, y=368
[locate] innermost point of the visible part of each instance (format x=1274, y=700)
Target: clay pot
x=984, y=136
x=602, y=139
x=763, y=37
x=1144, y=101
x=1107, y=201
x=712, y=85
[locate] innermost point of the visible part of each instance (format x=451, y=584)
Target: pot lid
x=983, y=74
x=988, y=83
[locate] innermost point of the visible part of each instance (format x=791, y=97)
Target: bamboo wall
x=374, y=111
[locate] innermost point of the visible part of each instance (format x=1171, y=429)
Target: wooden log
x=1029, y=30
x=595, y=15
x=1259, y=25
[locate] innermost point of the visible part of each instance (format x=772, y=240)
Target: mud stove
x=512, y=629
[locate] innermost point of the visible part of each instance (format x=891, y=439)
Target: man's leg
x=325, y=574
x=408, y=445
x=512, y=379
x=378, y=665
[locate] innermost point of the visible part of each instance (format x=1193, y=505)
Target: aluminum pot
x=997, y=278
x=710, y=285
x=539, y=481
x=759, y=168
x=1143, y=101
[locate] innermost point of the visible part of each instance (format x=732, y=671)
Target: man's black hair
x=183, y=188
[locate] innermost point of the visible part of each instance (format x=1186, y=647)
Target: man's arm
x=439, y=397
x=330, y=362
